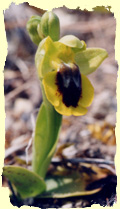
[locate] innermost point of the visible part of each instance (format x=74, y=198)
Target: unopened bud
x=49, y=26
x=32, y=26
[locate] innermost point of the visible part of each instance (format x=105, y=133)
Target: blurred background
x=89, y=136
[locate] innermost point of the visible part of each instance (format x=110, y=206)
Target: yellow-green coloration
x=51, y=54
x=49, y=26
x=90, y=59
x=27, y=183
x=69, y=50
x=73, y=42
x=32, y=26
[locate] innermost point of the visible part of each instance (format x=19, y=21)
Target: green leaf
x=27, y=183
x=39, y=142
x=70, y=185
x=46, y=135
x=90, y=59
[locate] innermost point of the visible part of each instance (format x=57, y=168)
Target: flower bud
x=49, y=26
x=32, y=26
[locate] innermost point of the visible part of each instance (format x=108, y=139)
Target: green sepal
x=90, y=59
x=44, y=56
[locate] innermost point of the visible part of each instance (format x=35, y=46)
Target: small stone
x=67, y=205
x=104, y=104
x=22, y=106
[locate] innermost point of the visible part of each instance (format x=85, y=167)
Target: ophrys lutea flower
x=62, y=67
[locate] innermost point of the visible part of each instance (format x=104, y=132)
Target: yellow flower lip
x=69, y=91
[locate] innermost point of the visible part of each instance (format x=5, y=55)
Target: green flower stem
x=46, y=134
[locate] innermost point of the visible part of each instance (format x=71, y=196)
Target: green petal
x=73, y=42
x=90, y=59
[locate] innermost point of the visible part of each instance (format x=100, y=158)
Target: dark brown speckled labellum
x=69, y=84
